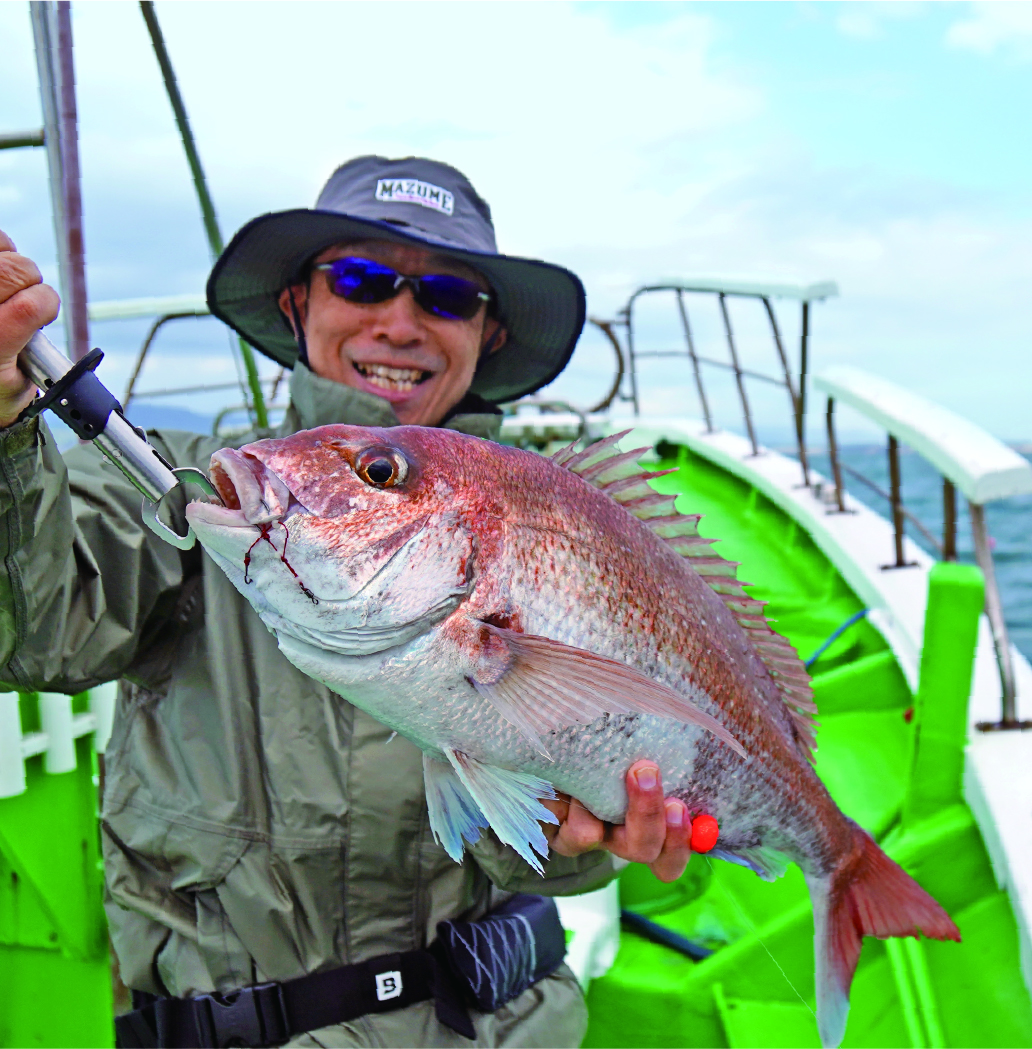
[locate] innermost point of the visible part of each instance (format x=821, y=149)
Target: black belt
x=271, y=1013
x=488, y=963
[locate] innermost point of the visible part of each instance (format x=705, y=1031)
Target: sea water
x=1009, y=522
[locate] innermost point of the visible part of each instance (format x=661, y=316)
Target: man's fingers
x=22, y=315
x=676, y=852
x=559, y=807
x=26, y=304
x=16, y=272
x=580, y=832
x=643, y=833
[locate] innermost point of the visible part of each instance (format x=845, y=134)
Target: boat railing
x=60, y=727
x=968, y=458
x=793, y=381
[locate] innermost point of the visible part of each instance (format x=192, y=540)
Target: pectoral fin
x=510, y=801
x=454, y=815
x=542, y=685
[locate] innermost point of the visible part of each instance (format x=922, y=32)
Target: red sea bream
x=538, y=625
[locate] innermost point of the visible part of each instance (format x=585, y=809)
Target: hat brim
x=541, y=305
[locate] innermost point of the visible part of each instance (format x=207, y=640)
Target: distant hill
x=149, y=416
x=163, y=417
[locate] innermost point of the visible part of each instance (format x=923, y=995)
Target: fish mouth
x=252, y=494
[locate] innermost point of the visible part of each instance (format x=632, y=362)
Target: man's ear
x=300, y=293
x=493, y=337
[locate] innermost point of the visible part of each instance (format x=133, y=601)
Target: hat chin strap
x=299, y=331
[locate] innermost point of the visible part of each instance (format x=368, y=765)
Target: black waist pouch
x=486, y=963
x=499, y=956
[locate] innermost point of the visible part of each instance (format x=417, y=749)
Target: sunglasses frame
x=401, y=280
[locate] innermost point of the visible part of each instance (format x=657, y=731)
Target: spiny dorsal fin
x=618, y=474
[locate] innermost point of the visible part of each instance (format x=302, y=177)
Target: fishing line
x=752, y=927
x=747, y=921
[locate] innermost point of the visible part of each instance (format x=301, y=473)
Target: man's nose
x=399, y=320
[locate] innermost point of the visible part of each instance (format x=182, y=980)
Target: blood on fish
x=264, y=530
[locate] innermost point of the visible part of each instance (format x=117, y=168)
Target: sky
x=882, y=146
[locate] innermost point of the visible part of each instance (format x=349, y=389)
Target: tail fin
x=867, y=895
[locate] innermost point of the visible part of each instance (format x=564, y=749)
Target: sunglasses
x=440, y=294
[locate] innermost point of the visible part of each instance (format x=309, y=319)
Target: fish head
x=347, y=538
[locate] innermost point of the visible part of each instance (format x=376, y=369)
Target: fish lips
x=254, y=496
x=248, y=485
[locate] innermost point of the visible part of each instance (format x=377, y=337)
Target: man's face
x=422, y=364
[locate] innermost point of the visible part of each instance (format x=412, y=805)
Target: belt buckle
x=252, y=1016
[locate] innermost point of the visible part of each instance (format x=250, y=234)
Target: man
x=256, y=827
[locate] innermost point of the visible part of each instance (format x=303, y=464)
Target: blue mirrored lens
x=447, y=296
x=440, y=294
x=362, y=280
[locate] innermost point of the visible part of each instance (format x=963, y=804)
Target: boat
x=922, y=699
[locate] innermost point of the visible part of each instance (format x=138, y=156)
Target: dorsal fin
x=618, y=474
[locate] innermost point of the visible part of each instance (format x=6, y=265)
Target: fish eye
x=381, y=467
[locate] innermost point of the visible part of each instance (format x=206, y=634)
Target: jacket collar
x=315, y=401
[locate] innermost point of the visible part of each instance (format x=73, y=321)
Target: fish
x=535, y=625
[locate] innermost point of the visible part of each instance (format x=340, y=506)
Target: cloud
x=624, y=153
x=995, y=27
x=866, y=20
x=858, y=24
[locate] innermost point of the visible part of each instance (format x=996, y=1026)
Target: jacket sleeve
x=85, y=587
x=564, y=875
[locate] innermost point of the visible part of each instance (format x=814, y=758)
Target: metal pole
x=790, y=386
x=836, y=468
x=949, y=520
x=41, y=33
x=631, y=359
x=896, y=499
x=994, y=613
x=606, y=327
x=800, y=420
x=52, y=30
x=142, y=355
x=211, y=226
x=695, y=361
x=18, y=139
x=738, y=376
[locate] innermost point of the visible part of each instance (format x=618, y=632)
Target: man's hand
x=26, y=304
x=656, y=831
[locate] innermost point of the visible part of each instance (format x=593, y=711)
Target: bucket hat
x=408, y=201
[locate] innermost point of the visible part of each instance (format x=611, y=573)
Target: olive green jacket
x=255, y=825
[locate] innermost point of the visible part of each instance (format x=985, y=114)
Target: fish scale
x=536, y=626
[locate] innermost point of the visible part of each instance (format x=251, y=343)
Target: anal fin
x=765, y=863
x=511, y=803
x=454, y=815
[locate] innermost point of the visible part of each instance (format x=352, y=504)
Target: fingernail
x=674, y=814
x=648, y=777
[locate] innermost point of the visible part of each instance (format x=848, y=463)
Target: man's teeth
x=399, y=379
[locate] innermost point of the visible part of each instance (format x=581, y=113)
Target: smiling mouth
x=397, y=380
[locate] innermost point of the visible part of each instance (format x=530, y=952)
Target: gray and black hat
x=409, y=201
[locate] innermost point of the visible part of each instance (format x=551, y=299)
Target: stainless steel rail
x=969, y=459
x=723, y=290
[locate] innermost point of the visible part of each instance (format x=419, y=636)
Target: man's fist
x=655, y=831
x=26, y=304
